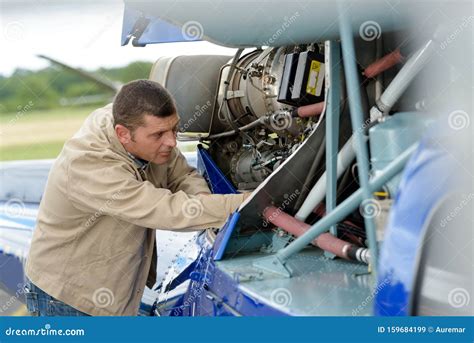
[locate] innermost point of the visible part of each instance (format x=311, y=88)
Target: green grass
x=38, y=134
x=41, y=134
x=33, y=151
x=36, y=115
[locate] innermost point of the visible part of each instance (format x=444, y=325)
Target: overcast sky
x=83, y=34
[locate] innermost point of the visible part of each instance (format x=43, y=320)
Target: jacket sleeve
x=111, y=188
x=183, y=177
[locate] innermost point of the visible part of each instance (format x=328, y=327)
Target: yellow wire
x=381, y=194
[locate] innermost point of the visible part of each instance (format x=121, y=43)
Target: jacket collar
x=141, y=164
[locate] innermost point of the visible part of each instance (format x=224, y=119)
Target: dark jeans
x=42, y=304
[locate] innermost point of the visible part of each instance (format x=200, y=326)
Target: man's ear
x=124, y=135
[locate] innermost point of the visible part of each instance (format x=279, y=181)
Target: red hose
x=384, y=63
x=325, y=241
x=310, y=110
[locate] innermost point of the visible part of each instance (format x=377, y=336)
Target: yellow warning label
x=314, y=72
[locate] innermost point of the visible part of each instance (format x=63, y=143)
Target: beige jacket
x=93, y=245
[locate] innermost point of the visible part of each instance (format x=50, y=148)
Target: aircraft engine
x=263, y=105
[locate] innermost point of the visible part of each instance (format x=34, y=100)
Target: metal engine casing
x=253, y=90
x=192, y=80
x=213, y=97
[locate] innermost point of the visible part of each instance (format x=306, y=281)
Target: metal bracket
x=274, y=265
x=279, y=242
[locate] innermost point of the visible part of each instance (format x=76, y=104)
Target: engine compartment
x=262, y=116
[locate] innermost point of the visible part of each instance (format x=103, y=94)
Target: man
x=118, y=178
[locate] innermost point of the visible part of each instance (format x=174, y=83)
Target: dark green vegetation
x=55, y=87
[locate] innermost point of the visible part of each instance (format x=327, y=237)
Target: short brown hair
x=138, y=98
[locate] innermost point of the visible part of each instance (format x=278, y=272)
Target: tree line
x=53, y=87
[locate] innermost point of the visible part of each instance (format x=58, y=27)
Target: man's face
x=154, y=140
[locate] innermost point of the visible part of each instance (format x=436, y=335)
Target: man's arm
x=183, y=177
x=113, y=190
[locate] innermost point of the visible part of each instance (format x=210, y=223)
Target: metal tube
x=332, y=126
x=325, y=241
x=357, y=120
x=379, y=77
x=249, y=126
x=346, y=207
x=400, y=83
x=384, y=63
x=344, y=159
